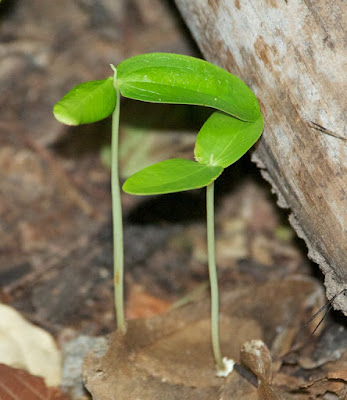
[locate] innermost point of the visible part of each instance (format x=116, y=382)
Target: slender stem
x=118, y=251
x=213, y=276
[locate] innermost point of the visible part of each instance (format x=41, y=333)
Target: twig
x=321, y=128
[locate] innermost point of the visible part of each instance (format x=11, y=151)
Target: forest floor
x=56, y=232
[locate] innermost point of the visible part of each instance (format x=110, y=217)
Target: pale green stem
x=118, y=250
x=213, y=277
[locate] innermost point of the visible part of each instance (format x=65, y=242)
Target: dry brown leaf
x=288, y=384
x=256, y=357
x=338, y=375
x=16, y=384
x=265, y=391
x=236, y=387
x=169, y=357
x=320, y=387
x=187, y=354
x=333, y=382
x=178, y=364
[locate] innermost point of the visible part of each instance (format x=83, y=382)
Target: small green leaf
x=173, y=78
x=170, y=176
x=222, y=140
x=86, y=103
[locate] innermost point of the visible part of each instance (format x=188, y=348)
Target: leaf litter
x=29, y=347
x=41, y=229
x=16, y=384
x=170, y=356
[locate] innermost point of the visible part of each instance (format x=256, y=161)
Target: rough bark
x=290, y=52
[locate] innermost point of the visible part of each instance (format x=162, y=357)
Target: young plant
x=221, y=141
x=157, y=78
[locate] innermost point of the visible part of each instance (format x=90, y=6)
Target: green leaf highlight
x=85, y=103
x=169, y=176
x=222, y=139
x=174, y=78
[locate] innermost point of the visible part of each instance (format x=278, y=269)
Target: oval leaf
x=86, y=103
x=174, y=78
x=222, y=140
x=170, y=176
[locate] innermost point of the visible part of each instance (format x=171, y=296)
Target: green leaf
x=169, y=176
x=86, y=103
x=222, y=139
x=174, y=78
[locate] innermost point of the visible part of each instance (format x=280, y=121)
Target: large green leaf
x=170, y=176
x=222, y=140
x=86, y=103
x=174, y=78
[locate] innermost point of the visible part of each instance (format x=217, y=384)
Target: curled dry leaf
x=29, y=347
x=256, y=356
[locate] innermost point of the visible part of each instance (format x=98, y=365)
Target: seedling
x=161, y=78
x=221, y=141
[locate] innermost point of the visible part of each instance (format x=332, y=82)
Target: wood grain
x=291, y=54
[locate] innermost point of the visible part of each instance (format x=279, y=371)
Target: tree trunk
x=290, y=52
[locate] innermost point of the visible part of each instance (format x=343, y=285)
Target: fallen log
x=290, y=52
